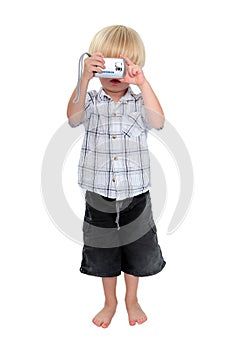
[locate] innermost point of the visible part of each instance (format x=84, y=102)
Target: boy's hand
x=134, y=74
x=93, y=64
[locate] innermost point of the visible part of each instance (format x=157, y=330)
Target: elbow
x=159, y=122
x=75, y=119
x=161, y=126
x=68, y=117
x=69, y=120
x=71, y=124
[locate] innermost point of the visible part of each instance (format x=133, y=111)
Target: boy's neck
x=117, y=95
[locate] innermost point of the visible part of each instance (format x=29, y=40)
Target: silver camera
x=114, y=68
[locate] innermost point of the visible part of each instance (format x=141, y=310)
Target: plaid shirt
x=114, y=160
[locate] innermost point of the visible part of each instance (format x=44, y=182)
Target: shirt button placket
x=114, y=114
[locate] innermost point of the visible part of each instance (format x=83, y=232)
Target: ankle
x=131, y=299
x=111, y=302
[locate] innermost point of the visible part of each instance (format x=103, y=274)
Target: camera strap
x=80, y=70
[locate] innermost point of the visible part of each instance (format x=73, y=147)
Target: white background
x=46, y=303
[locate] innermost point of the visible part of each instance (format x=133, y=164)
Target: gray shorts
x=132, y=247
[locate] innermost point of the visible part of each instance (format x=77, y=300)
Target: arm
x=154, y=112
x=75, y=111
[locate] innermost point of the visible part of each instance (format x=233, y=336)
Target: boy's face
x=114, y=86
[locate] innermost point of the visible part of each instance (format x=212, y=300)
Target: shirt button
x=115, y=158
x=114, y=137
x=113, y=180
x=114, y=114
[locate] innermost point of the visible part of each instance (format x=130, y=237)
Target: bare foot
x=135, y=313
x=104, y=317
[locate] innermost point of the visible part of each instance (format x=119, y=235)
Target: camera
x=114, y=68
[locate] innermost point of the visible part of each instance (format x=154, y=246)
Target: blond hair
x=116, y=40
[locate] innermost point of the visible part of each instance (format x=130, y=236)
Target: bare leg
x=104, y=317
x=135, y=313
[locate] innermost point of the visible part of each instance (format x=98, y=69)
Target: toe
x=105, y=325
x=132, y=323
x=97, y=322
x=142, y=320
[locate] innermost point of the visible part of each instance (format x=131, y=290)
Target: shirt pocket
x=133, y=124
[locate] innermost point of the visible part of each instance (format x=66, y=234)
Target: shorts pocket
x=154, y=233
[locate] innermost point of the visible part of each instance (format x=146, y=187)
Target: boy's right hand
x=93, y=64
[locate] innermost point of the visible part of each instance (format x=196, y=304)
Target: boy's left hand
x=134, y=74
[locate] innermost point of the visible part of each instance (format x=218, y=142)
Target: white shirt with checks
x=114, y=160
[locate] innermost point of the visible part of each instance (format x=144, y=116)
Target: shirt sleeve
x=145, y=118
x=89, y=103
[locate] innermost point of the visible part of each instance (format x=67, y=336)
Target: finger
x=94, y=63
x=136, y=70
x=93, y=60
x=128, y=61
x=96, y=59
x=97, y=70
x=130, y=72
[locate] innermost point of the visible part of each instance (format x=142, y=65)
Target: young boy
x=114, y=169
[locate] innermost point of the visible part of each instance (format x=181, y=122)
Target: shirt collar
x=129, y=96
